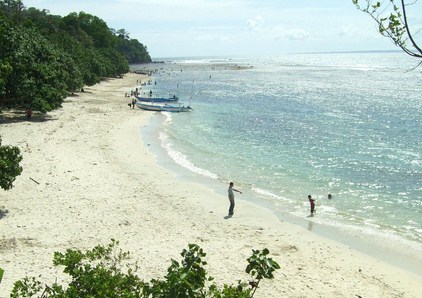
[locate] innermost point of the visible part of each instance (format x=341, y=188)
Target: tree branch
x=408, y=31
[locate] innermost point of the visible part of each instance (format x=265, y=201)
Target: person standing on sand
x=312, y=202
x=231, y=197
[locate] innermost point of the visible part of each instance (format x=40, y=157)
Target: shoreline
x=98, y=180
x=401, y=255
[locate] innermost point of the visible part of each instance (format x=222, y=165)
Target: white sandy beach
x=88, y=178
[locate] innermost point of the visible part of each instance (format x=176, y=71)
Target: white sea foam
x=270, y=195
x=169, y=118
x=266, y=193
x=327, y=209
x=182, y=160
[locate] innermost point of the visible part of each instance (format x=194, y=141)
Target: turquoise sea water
x=349, y=125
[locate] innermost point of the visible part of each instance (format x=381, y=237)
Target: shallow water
x=342, y=124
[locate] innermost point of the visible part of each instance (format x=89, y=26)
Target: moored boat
x=149, y=106
x=173, y=98
x=174, y=108
x=162, y=107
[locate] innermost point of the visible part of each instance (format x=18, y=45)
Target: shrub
x=10, y=158
x=99, y=273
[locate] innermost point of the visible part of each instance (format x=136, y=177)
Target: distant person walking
x=231, y=198
x=312, y=202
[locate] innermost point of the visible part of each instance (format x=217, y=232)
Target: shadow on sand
x=3, y=212
x=16, y=116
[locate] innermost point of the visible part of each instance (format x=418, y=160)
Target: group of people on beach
x=231, y=191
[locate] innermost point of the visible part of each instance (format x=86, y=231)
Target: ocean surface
x=346, y=124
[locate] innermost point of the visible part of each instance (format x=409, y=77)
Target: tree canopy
x=45, y=57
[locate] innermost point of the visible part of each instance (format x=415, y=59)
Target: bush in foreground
x=105, y=271
x=10, y=157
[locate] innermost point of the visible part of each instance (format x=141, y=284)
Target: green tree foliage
x=13, y=9
x=260, y=266
x=100, y=34
x=132, y=49
x=10, y=158
x=5, y=70
x=105, y=271
x=182, y=280
x=38, y=76
x=45, y=57
x=391, y=18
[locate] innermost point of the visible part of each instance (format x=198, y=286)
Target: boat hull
x=175, y=109
x=158, y=99
x=148, y=106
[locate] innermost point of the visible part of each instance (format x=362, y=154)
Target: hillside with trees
x=45, y=57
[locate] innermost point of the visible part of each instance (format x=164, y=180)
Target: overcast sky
x=257, y=28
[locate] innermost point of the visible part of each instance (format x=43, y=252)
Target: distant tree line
x=45, y=57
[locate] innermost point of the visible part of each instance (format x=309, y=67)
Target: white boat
x=149, y=106
x=175, y=108
x=162, y=107
x=173, y=98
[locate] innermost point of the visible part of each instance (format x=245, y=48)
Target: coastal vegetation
x=10, y=158
x=44, y=57
x=393, y=22
x=99, y=273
